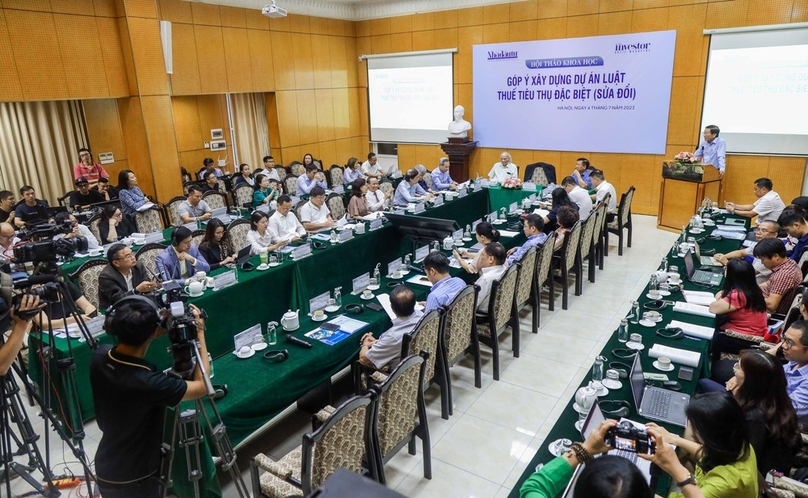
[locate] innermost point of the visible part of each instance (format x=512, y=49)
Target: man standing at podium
x=712, y=150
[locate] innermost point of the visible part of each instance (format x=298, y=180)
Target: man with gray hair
x=386, y=350
x=504, y=169
x=441, y=180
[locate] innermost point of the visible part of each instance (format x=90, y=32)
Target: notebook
x=656, y=403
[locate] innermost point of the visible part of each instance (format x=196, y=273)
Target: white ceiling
x=357, y=10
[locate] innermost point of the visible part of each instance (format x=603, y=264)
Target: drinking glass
x=273, y=260
x=263, y=256
x=622, y=331
x=272, y=334
x=373, y=282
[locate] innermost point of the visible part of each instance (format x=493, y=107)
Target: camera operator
x=57, y=314
x=131, y=396
x=19, y=327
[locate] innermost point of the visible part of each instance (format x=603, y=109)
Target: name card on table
x=492, y=217
x=485, y=183
x=154, y=237
x=474, y=225
x=301, y=252
x=360, y=283
x=192, y=226
x=339, y=189
x=532, y=197
x=247, y=337
x=421, y=253
x=319, y=302
x=95, y=327
x=345, y=235
x=225, y=279
x=419, y=208
x=477, y=186
x=528, y=186
x=512, y=207
x=462, y=192
x=458, y=234
x=375, y=224
x=438, y=201
x=393, y=266
x=224, y=218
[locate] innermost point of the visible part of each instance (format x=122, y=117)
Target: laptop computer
x=218, y=212
x=706, y=260
x=700, y=276
x=656, y=403
x=243, y=255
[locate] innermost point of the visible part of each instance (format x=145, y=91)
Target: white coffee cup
x=664, y=362
x=96, y=252
x=654, y=294
x=367, y=293
x=396, y=274
x=210, y=282
x=244, y=351
x=318, y=315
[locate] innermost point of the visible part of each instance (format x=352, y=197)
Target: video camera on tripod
x=41, y=246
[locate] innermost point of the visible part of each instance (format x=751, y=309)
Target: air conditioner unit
x=272, y=10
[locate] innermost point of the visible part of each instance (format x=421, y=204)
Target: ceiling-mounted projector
x=272, y=10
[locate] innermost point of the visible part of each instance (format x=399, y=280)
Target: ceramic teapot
x=290, y=320
x=585, y=398
x=195, y=288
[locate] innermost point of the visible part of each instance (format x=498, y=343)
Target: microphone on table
x=299, y=342
x=416, y=269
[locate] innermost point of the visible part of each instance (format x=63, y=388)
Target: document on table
x=698, y=297
x=384, y=300
x=421, y=280
x=729, y=234
x=508, y=233
x=731, y=228
x=693, y=309
x=693, y=330
x=676, y=355
x=541, y=212
x=145, y=206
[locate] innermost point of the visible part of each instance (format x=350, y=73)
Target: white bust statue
x=459, y=127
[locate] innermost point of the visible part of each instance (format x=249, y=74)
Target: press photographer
x=131, y=395
x=20, y=321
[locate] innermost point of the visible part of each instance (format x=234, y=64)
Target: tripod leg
x=224, y=447
x=190, y=437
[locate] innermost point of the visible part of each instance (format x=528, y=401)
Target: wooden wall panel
x=141, y=8
x=186, y=123
x=325, y=114
x=306, y=116
x=81, y=8
x=126, y=47
x=260, y=45
x=523, y=11
x=134, y=134
x=237, y=60
x=81, y=55
x=105, y=133
x=282, y=61
x=176, y=11
x=211, y=59
x=163, y=156
x=186, y=78
x=321, y=65
x=205, y=14
x=147, y=51
x=10, y=87
x=233, y=17
x=112, y=53
x=37, y=55
x=289, y=133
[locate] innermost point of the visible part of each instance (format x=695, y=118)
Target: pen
x=693, y=338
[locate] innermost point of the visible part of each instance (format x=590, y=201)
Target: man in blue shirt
x=533, y=227
x=444, y=287
x=794, y=224
x=441, y=180
x=311, y=179
x=409, y=191
x=581, y=173
x=713, y=150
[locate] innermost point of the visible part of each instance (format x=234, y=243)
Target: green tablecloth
x=565, y=428
x=499, y=197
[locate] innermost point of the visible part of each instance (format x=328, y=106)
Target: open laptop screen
x=637, y=379
x=690, y=265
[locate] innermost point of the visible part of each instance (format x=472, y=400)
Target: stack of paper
x=508, y=233
x=698, y=297
x=693, y=309
x=693, y=330
x=681, y=356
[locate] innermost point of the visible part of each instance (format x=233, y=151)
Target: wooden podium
x=459, y=150
x=684, y=187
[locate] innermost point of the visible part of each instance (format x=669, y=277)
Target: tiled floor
x=483, y=448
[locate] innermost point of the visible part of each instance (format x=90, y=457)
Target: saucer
x=331, y=309
x=259, y=346
x=499, y=222
x=291, y=330
x=556, y=448
x=466, y=239
x=697, y=230
x=664, y=293
x=612, y=384
x=367, y=298
x=396, y=277
x=578, y=409
x=458, y=243
x=708, y=223
x=637, y=346
x=325, y=317
x=659, y=367
x=647, y=323
x=603, y=391
x=273, y=265
x=244, y=356
x=649, y=296
x=579, y=425
x=196, y=295
x=262, y=267
x=373, y=287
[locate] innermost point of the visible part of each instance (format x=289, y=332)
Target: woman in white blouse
x=259, y=237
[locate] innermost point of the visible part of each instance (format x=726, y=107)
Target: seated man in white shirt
x=8, y=240
x=504, y=169
x=315, y=215
x=269, y=168
x=311, y=179
x=764, y=230
x=768, y=207
x=578, y=195
x=283, y=224
x=492, y=266
x=602, y=188
x=385, y=352
x=371, y=168
x=78, y=230
x=375, y=199
x=194, y=208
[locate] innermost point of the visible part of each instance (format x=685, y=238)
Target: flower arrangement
x=512, y=183
x=685, y=158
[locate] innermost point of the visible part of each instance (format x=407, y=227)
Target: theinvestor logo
x=630, y=48
x=502, y=55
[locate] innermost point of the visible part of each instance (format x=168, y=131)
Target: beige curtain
x=250, y=121
x=39, y=144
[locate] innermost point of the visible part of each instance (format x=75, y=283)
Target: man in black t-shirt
x=7, y=206
x=131, y=397
x=30, y=206
x=84, y=197
x=106, y=191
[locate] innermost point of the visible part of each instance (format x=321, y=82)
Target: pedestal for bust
x=458, y=150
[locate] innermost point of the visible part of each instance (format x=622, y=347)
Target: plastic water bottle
x=622, y=331
x=338, y=296
x=407, y=262
x=635, y=314
x=598, y=368
x=664, y=265
x=377, y=274
x=334, y=237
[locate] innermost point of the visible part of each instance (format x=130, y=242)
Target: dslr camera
x=625, y=436
x=41, y=247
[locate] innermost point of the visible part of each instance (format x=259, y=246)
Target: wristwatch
x=687, y=481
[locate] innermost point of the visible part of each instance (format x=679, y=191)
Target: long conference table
x=565, y=425
x=258, y=389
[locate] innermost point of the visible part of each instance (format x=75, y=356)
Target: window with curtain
x=249, y=116
x=39, y=144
